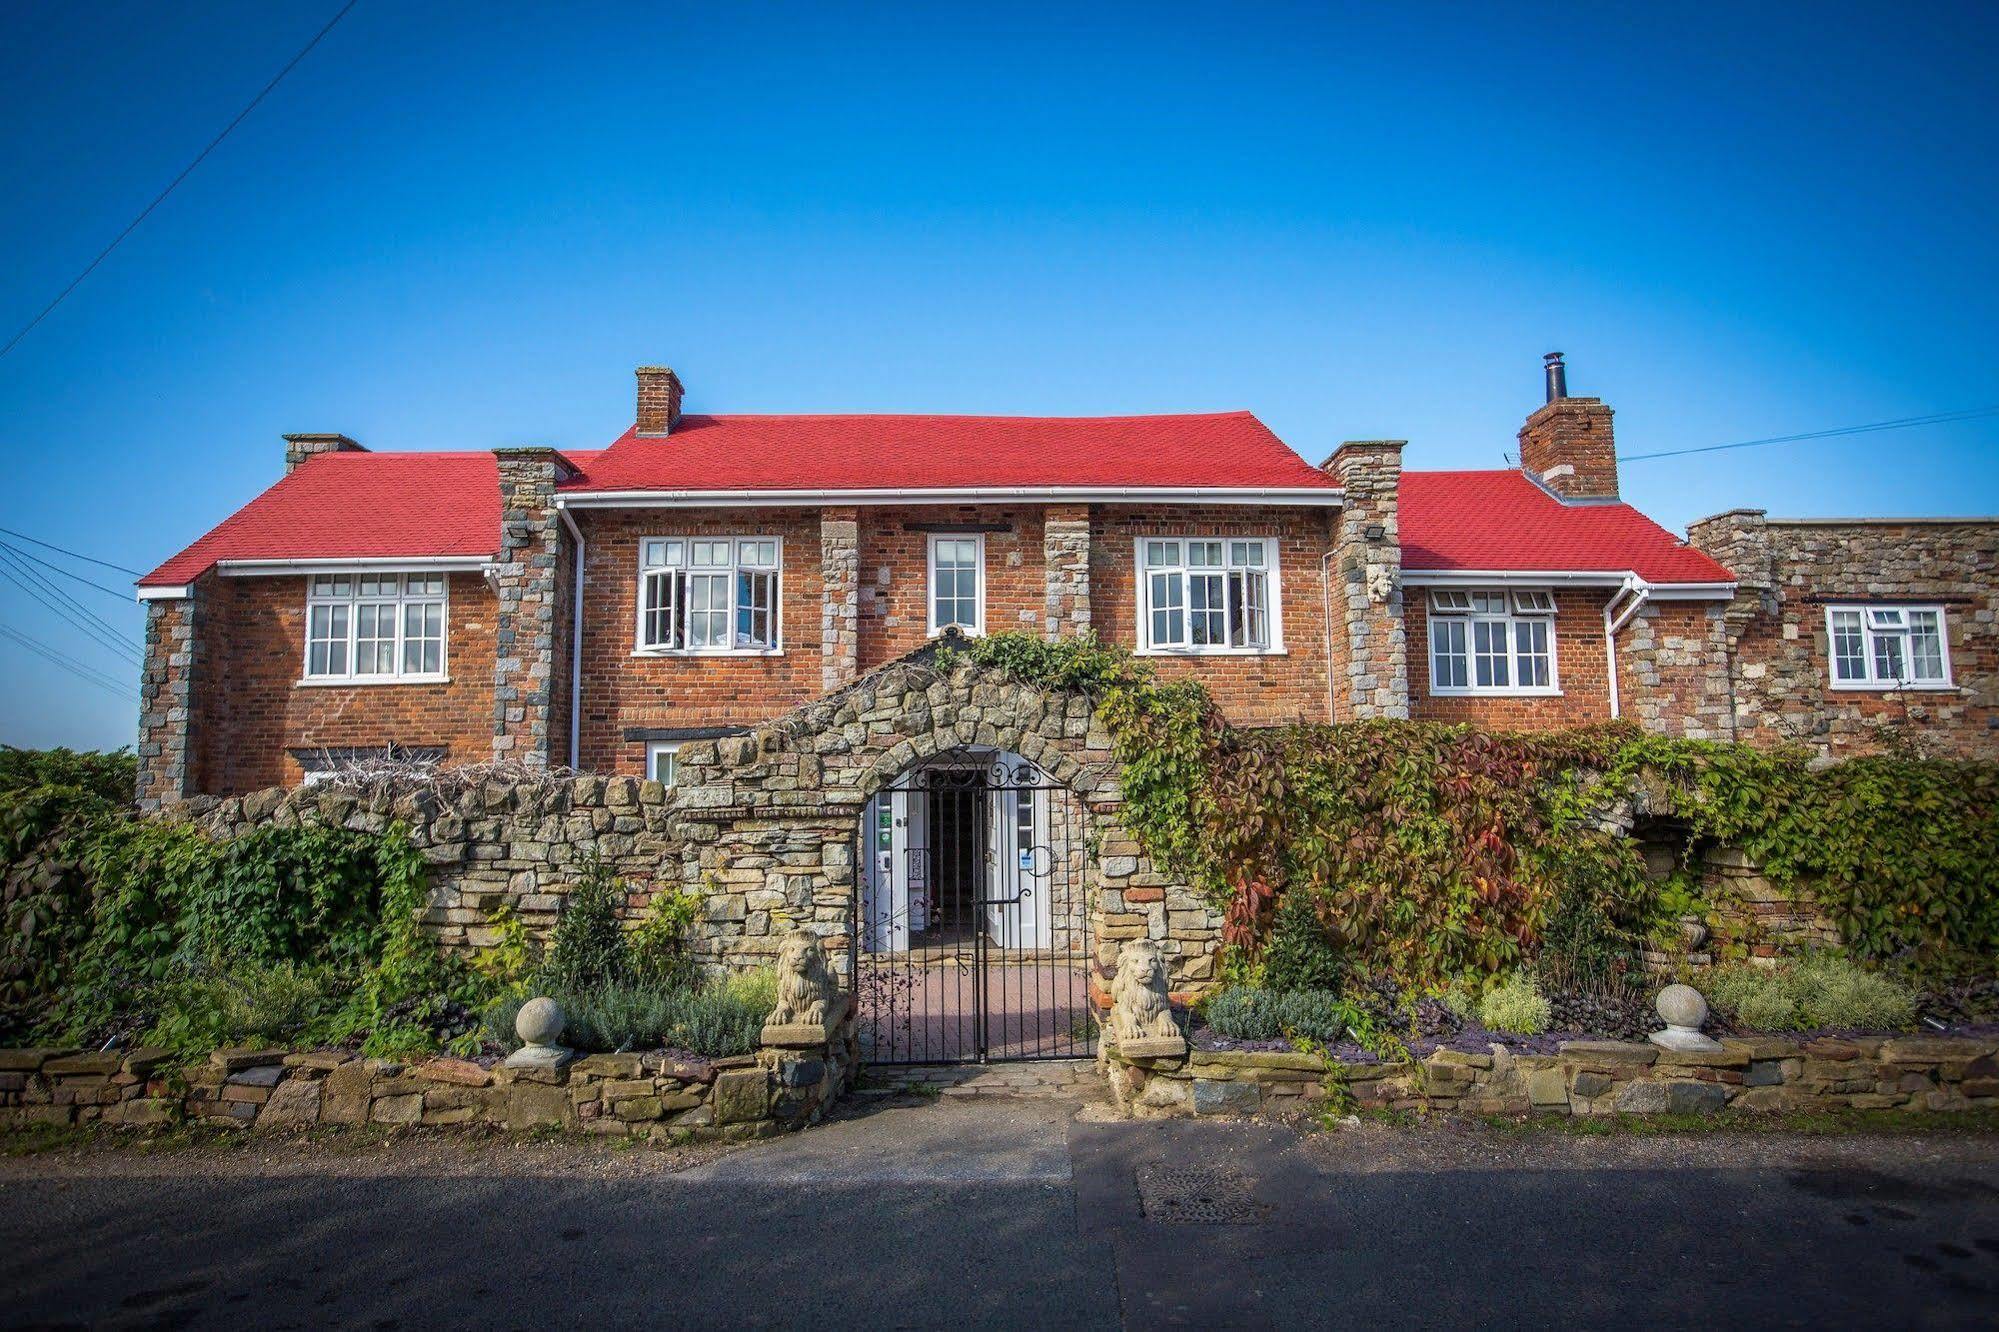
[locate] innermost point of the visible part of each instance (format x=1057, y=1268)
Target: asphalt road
x=1016, y=1214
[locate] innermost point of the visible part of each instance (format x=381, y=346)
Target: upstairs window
x=1888, y=647
x=957, y=583
x=709, y=594
x=1207, y=594
x=1492, y=641
x=374, y=627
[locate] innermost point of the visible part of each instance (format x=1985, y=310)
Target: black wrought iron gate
x=971, y=938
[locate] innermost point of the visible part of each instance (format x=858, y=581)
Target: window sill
x=368, y=681
x=678, y=654
x=1210, y=652
x=1496, y=693
x=1872, y=687
x=966, y=630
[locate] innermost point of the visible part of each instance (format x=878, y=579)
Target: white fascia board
x=378, y=564
x=1565, y=578
x=178, y=593
x=679, y=499
x=1511, y=578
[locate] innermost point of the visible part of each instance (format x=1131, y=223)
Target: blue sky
x=462, y=226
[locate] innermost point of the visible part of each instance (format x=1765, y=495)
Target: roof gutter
x=1620, y=579
x=1314, y=496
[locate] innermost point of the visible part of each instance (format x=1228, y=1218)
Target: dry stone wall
x=760, y=826
x=1768, y=1073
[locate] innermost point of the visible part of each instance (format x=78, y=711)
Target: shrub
x=1514, y=1005
x=1817, y=990
x=717, y=1017
x=588, y=949
x=1300, y=955
x=248, y=1004
x=657, y=950
x=1256, y=1013
x=111, y=776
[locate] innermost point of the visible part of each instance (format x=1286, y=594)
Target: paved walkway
x=1062, y=1079
x=1012, y=1210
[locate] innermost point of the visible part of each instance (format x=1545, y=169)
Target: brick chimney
x=300, y=447
x=1568, y=444
x=659, y=400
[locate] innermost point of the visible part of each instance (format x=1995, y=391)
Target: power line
x=96, y=636
x=186, y=171
x=87, y=559
x=87, y=674
x=104, y=626
x=125, y=597
x=1900, y=423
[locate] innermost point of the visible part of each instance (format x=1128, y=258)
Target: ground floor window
x=1207, y=594
x=709, y=594
x=1492, y=641
x=1888, y=647
x=662, y=763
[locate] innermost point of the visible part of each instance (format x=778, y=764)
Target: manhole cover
x=1196, y=1195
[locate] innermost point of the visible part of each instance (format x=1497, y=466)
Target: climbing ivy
x=1430, y=851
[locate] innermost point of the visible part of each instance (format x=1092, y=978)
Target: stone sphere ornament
x=538, y=1024
x=540, y=1021
x=1683, y=1010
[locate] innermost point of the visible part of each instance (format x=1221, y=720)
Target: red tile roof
x=1502, y=521
x=357, y=506
x=1226, y=450
x=424, y=505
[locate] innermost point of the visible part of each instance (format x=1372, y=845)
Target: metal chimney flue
x=1558, y=376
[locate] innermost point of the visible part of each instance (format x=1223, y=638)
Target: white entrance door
x=1020, y=861
x=894, y=869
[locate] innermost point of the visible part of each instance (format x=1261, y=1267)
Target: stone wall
x=654, y=1095
x=1914, y=1073
x=761, y=826
x=1778, y=664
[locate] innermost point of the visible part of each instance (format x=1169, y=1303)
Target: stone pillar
x=840, y=597
x=524, y=581
x=1065, y=553
x=166, y=705
x=1367, y=574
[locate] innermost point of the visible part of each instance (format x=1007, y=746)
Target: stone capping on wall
x=1755, y=1073
x=655, y=1095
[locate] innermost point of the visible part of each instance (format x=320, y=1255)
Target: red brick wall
x=1251, y=691
x=895, y=574
x=251, y=710
x=622, y=690
x=1581, y=672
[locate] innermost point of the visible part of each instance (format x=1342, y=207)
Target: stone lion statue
x=804, y=986
x=1139, y=1010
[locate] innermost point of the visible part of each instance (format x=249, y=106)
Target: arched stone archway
x=768, y=818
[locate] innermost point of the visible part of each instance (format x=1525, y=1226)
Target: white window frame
x=352, y=600
x=1868, y=634
x=657, y=750
x=1531, y=605
x=978, y=625
x=1142, y=585
x=735, y=567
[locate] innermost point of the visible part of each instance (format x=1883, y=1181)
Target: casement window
x=957, y=583
x=1492, y=641
x=374, y=628
x=661, y=764
x=1208, y=595
x=714, y=595
x=1888, y=647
